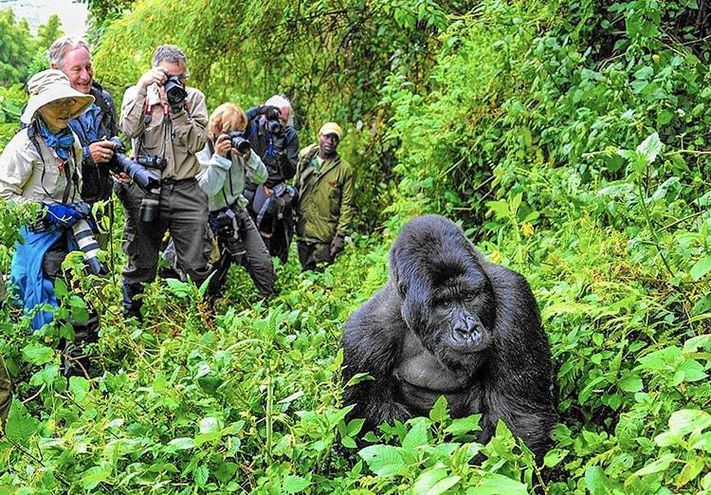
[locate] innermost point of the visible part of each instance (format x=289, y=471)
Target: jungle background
x=571, y=141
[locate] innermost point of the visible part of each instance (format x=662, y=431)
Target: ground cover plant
x=570, y=139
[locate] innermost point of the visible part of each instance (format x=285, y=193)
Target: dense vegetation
x=569, y=138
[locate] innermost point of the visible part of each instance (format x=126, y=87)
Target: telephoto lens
x=150, y=207
x=84, y=237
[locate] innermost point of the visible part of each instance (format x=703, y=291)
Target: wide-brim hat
x=52, y=85
x=331, y=128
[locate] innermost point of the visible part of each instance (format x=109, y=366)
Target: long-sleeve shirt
x=325, y=197
x=176, y=137
x=223, y=179
x=27, y=176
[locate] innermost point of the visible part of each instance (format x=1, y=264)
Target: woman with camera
x=41, y=164
x=226, y=163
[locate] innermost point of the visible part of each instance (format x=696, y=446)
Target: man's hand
x=156, y=75
x=223, y=145
x=336, y=246
x=101, y=151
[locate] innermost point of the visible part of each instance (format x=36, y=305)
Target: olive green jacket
x=5, y=394
x=325, y=198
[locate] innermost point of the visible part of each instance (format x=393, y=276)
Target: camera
x=238, y=141
x=84, y=237
x=228, y=231
x=144, y=178
x=175, y=91
x=273, y=120
x=152, y=161
x=150, y=207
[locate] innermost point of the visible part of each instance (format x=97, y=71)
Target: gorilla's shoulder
x=377, y=325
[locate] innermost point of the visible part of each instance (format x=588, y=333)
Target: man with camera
x=273, y=137
x=94, y=127
x=164, y=119
x=325, y=211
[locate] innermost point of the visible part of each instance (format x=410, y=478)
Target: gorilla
x=448, y=322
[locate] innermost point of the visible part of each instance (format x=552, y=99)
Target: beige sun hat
x=331, y=128
x=51, y=85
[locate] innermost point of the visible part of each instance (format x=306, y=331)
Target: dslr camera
x=175, y=92
x=273, y=120
x=238, y=141
x=228, y=231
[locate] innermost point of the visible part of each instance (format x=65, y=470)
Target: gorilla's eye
x=470, y=296
x=445, y=303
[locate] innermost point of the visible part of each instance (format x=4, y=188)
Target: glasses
x=63, y=103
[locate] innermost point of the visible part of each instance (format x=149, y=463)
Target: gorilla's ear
x=396, y=276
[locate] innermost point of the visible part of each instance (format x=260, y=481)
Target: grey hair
x=61, y=46
x=281, y=101
x=169, y=53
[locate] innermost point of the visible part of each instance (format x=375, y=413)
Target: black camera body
x=175, y=91
x=273, y=117
x=228, y=231
x=238, y=141
x=152, y=161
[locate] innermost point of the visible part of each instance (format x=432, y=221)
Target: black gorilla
x=448, y=322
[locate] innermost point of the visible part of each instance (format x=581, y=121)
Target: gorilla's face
x=458, y=330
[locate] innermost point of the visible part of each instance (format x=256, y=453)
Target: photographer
x=272, y=136
x=95, y=126
x=41, y=165
x=164, y=118
x=227, y=161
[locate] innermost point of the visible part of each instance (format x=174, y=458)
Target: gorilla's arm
x=520, y=391
x=372, y=343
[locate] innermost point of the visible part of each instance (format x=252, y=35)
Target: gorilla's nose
x=466, y=332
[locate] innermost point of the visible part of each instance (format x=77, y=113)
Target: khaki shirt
x=177, y=138
x=24, y=176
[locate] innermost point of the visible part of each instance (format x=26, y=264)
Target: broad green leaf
x=691, y=471
x=443, y=485
x=439, y=411
x=20, y=425
x=37, y=353
x=630, y=383
x=209, y=425
x=650, y=148
x=93, y=476
x=383, y=460
x=553, y=457
x=427, y=479
x=462, y=426
x=700, y=268
x=598, y=483
x=657, y=466
x=182, y=443
x=79, y=387
x=294, y=484
x=417, y=436
x=201, y=474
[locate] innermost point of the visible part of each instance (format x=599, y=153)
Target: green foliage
x=570, y=141
x=21, y=54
